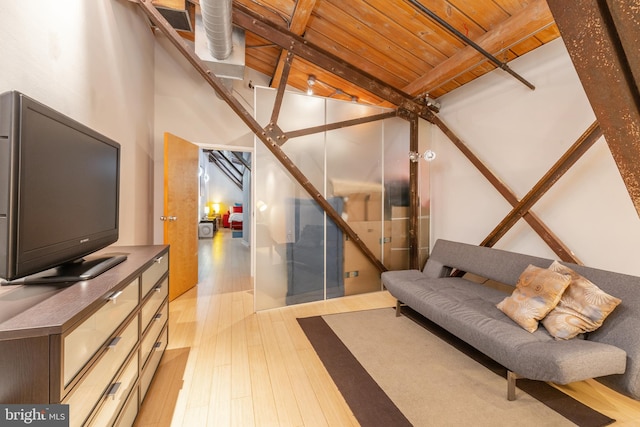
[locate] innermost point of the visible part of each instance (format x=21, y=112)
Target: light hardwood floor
x=228, y=366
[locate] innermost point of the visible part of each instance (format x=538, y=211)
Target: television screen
x=60, y=190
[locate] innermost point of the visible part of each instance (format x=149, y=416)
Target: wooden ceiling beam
x=602, y=38
x=518, y=27
x=250, y=21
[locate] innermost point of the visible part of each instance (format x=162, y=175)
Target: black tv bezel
x=17, y=265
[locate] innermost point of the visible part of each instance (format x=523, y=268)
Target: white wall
x=519, y=134
x=188, y=107
x=93, y=61
x=221, y=189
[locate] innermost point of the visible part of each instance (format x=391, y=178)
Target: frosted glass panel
x=300, y=254
x=396, y=177
x=354, y=174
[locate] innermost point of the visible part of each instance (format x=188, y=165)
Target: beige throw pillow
x=537, y=292
x=582, y=308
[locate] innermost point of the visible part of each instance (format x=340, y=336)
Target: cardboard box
x=399, y=212
x=360, y=274
x=398, y=259
x=399, y=233
x=363, y=207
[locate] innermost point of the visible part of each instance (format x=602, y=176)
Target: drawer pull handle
x=114, y=297
x=113, y=390
x=157, y=316
x=158, y=288
x=158, y=345
x=158, y=260
x=114, y=342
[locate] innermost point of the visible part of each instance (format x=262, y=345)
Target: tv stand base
x=76, y=271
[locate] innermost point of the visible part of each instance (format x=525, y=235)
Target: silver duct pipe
x=216, y=19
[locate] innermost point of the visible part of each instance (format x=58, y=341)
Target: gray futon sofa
x=467, y=309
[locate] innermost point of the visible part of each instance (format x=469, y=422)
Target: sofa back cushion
x=495, y=264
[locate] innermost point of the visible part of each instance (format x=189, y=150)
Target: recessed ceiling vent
x=178, y=19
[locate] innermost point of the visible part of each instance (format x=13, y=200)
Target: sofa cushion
x=582, y=308
x=468, y=310
x=537, y=292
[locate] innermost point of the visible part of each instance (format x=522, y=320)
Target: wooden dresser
x=94, y=345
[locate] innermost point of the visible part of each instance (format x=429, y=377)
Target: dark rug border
x=372, y=407
x=369, y=403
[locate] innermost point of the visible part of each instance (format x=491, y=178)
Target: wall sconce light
x=262, y=206
x=428, y=155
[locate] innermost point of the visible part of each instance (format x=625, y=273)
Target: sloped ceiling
x=400, y=43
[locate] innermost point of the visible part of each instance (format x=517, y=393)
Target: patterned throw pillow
x=537, y=292
x=582, y=308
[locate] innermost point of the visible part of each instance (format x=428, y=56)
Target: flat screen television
x=59, y=194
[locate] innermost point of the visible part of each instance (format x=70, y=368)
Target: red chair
x=225, y=220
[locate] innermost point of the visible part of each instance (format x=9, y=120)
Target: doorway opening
x=224, y=208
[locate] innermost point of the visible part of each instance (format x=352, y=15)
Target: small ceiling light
x=311, y=80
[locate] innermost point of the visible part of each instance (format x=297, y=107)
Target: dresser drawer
x=116, y=395
x=88, y=391
x=154, y=360
x=85, y=340
x=152, y=274
x=149, y=340
x=130, y=411
x=158, y=295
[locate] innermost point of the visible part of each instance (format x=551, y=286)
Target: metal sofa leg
x=511, y=385
x=398, y=308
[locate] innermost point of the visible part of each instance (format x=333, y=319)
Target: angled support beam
x=241, y=159
x=538, y=226
x=155, y=17
x=299, y=21
x=281, y=87
x=230, y=164
x=340, y=125
x=226, y=172
x=586, y=141
x=604, y=51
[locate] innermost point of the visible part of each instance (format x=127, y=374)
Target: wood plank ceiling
x=398, y=44
x=394, y=41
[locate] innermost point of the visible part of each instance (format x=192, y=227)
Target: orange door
x=181, y=162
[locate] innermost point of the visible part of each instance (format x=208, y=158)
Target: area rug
x=403, y=371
